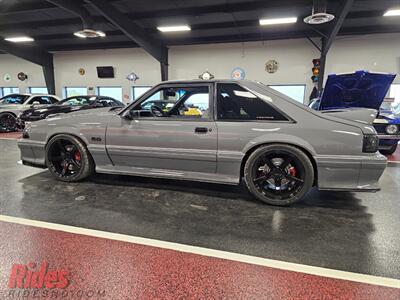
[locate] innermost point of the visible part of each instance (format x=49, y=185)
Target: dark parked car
x=67, y=105
x=363, y=89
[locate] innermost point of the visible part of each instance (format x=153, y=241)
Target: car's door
x=176, y=132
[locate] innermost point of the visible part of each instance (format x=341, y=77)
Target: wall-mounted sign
x=206, y=75
x=132, y=77
x=22, y=76
x=7, y=77
x=271, y=66
x=81, y=71
x=238, y=74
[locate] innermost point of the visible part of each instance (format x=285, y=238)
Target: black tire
x=76, y=169
x=389, y=151
x=8, y=122
x=289, y=158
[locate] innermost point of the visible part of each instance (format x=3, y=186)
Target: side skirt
x=171, y=174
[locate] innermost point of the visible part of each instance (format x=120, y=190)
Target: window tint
x=185, y=102
x=42, y=100
x=77, y=101
x=236, y=103
x=14, y=99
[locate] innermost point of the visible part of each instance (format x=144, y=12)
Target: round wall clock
x=271, y=66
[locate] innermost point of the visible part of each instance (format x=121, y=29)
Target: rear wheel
x=8, y=122
x=278, y=174
x=389, y=151
x=68, y=158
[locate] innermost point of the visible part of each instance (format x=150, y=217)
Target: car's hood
x=359, y=89
x=86, y=112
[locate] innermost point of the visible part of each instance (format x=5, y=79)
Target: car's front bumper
x=32, y=153
x=352, y=173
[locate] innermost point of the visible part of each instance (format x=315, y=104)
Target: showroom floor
x=352, y=232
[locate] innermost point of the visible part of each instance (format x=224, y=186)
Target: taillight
x=370, y=143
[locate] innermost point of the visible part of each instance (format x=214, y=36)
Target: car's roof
x=205, y=81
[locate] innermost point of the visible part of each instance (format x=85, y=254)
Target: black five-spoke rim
x=7, y=121
x=278, y=175
x=64, y=158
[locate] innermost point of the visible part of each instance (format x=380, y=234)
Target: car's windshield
x=78, y=101
x=14, y=99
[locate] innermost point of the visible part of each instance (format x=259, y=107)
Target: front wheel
x=68, y=158
x=278, y=174
x=389, y=151
x=8, y=122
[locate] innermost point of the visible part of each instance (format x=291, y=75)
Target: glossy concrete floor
x=357, y=232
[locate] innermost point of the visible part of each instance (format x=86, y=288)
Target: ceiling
x=212, y=21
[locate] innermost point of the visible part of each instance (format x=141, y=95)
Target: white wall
x=374, y=53
x=124, y=62
x=13, y=65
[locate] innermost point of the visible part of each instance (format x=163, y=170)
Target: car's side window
x=41, y=100
x=177, y=102
x=236, y=103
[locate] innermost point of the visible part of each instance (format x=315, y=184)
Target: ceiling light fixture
x=278, y=21
x=318, y=14
x=89, y=33
x=392, y=12
x=174, y=28
x=19, y=39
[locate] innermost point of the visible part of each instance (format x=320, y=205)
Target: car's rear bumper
x=32, y=153
x=350, y=173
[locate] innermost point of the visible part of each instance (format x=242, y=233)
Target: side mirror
x=35, y=103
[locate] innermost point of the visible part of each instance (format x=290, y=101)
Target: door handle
x=201, y=130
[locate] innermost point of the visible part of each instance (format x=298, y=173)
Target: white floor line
x=331, y=273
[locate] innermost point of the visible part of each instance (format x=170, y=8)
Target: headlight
x=370, y=143
x=392, y=129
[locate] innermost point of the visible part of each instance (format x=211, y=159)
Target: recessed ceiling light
x=89, y=33
x=174, y=28
x=19, y=39
x=392, y=12
x=278, y=21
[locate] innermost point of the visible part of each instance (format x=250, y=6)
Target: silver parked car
x=13, y=104
x=214, y=131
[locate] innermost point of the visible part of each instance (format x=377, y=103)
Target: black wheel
x=8, y=122
x=68, y=158
x=278, y=174
x=389, y=151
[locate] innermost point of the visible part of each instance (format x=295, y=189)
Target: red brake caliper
x=292, y=171
x=77, y=156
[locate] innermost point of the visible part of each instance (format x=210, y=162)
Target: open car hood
x=359, y=89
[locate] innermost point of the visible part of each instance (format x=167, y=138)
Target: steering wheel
x=156, y=111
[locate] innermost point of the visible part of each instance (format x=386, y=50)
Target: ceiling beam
x=154, y=47
x=77, y=8
x=341, y=13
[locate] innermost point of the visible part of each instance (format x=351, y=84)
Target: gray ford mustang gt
x=214, y=131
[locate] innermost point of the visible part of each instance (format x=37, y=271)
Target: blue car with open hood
x=363, y=89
